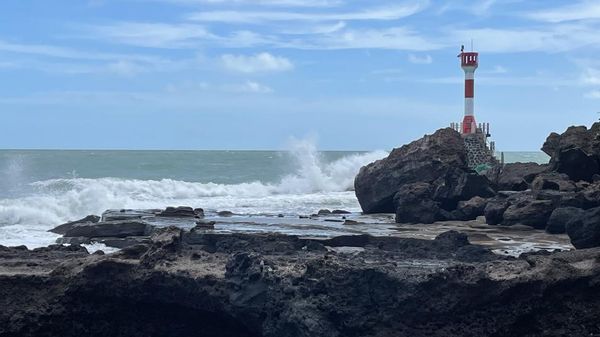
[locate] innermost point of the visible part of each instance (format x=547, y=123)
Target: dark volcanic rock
x=438, y=161
x=529, y=212
x=424, y=160
x=62, y=229
x=117, y=229
x=203, y=224
x=515, y=176
x=576, y=152
x=181, y=212
x=123, y=242
x=553, y=181
x=324, y=212
x=128, y=214
x=494, y=211
x=584, y=229
x=557, y=224
x=414, y=205
x=225, y=214
x=457, y=185
x=470, y=209
x=241, y=286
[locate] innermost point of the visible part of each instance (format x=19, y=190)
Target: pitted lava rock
x=201, y=284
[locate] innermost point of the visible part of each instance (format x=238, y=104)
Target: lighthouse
x=479, y=151
x=469, y=61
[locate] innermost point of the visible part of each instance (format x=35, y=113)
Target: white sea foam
x=314, y=185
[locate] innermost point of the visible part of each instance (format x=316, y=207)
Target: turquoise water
x=41, y=189
x=20, y=168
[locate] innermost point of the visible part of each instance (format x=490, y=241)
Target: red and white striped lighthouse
x=469, y=62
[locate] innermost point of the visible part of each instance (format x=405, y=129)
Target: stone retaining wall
x=477, y=151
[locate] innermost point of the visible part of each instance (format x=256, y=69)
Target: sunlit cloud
x=388, y=13
x=582, y=10
x=262, y=62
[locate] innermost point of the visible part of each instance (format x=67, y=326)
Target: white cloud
x=589, y=9
x=249, y=87
x=315, y=29
x=554, y=38
x=594, y=94
x=263, y=62
x=495, y=70
x=125, y=68
x=426, y=59
x=399, y=38
x=375, y=14
x=478, y=8
x=591, y=76
x=280, y=3
x=75, y=54
x=499, y=70
x=161, y=35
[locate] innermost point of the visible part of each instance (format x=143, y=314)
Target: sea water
x=40, y=189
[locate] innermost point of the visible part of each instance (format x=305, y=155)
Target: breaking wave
x=314, y=184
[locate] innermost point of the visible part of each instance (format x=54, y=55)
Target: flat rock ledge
x=205, y=284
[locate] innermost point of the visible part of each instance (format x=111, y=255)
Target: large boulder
x=439, y=159
x=457, y=185
x=584, y=229
x=515, y=176
x=576, y=152
x=528, y=211
x=553, y=181
x=116, y=229
x=414, y=204
x=470, y=209
x=586, y=198
x=557, y=224
x=494, y=211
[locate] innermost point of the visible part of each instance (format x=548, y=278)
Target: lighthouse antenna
x=472, y=45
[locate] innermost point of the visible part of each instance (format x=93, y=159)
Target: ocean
x=40, y=189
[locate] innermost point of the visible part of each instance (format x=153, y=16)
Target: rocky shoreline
x=194, y=283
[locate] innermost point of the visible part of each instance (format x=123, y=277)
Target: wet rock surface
x=64, y=228
x=205, y=284
x=116, y=228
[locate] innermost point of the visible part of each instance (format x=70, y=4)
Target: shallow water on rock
x=502, y=240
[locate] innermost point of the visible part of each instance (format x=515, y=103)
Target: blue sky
x=244, y=74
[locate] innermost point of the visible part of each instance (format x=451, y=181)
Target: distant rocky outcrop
x=576, y=152
x=429, y=180
x=422, y=181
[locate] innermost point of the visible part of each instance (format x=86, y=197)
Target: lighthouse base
x=469, y=125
